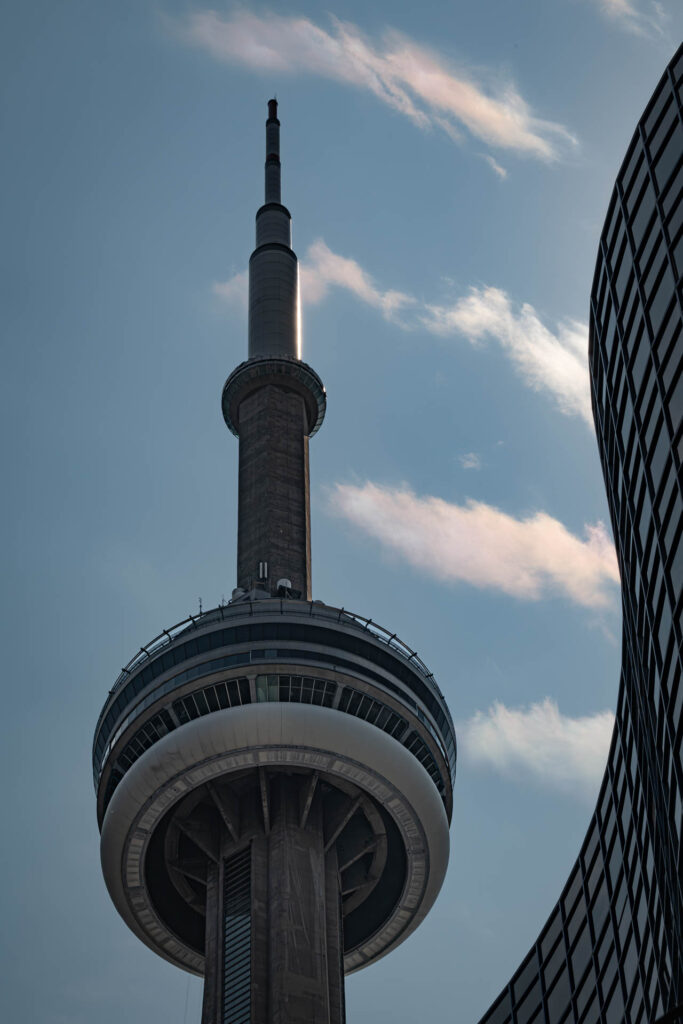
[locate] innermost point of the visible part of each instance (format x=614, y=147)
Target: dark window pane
x=581, y=954
x=614, y=1013
x=551, y=936
x=528, y=974
x=500, y=1014
x=558, y=998
x=660, y=300
x=573, y=892
x=642, y=219
x=600, y=908
x=655, y=112
x=530, y=1007
x=586, y=995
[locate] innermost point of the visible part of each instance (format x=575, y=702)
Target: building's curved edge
x=611, y=951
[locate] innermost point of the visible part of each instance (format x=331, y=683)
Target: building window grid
x=586, y=868
x=634, y=176
x=670, y=120
x=586, y=1000
x=610, y=933
x=552, y=942
x=556, y=963
x=677, y=125
x=526, y=990
x=580, y=958
x=638, y=546
x=638, y=285
x=628, y=838
x=501, y=1012
x=672, y=204
x=653, y=111
x=657, y=135
x=664, y=354
x=648, y=249
x=655, y=665
x=668, y=365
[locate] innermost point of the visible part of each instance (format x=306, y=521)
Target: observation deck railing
x=224, y=612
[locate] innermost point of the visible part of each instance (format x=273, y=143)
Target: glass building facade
x=611, y=950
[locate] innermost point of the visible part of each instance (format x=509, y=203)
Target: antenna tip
x=272, y=110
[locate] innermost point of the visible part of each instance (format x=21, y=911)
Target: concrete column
x=274, y=518
x=301, y=965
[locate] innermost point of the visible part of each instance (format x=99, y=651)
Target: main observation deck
x=273, y=650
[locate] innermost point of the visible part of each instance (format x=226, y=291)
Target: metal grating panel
x=237, y=938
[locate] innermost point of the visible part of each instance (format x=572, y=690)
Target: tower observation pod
x=274, y=777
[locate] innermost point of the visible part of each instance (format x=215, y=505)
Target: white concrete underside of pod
x=285, y=735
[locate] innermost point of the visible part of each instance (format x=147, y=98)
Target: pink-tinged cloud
x=323, y=270
x=412, y=79
x=539, y=742
x=553, y=362
x=643, y=19
x=479, y=544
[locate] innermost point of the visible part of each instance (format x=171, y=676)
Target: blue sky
x=448, y=167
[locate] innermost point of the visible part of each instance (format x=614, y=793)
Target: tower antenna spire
x=274, y=402
x=272, y=154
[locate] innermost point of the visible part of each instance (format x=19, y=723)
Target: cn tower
x=274, y=776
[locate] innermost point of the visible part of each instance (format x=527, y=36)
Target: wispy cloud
x=555, y=362
x=470, y=460
x=540, y=742
x=495, y=166
x=648, y=19
x=479, y=544
x=323, y=269
x=408, y=77
x=235, y=290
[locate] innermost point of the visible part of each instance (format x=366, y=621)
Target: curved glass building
x=611, y=950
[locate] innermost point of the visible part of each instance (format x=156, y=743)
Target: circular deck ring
x=293, y=735
x=283, y=371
